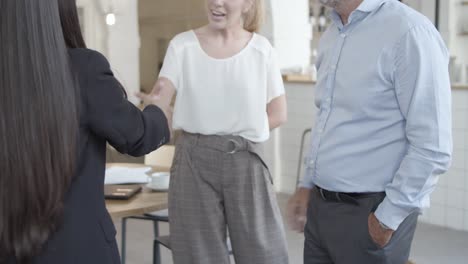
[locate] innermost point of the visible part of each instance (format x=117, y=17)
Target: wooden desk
x=145, y=202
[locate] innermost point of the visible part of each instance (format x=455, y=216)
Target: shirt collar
x=367, y=6
x=370, y=5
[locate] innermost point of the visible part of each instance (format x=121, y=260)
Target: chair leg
x=301, y=152
x=124, y=240
x=156, y=247
x=156, y=253
x=156, y=228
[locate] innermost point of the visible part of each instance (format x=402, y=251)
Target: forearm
x=412, y=185
x=276, y=121
x=277, y=112
x=166, y=90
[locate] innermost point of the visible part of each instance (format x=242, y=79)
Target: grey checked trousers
x=220, y=184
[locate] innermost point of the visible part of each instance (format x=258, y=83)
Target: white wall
x=94, y=30
x=458, y=22
x=267, y=29
x=291, y=32
x=123, y=45
x=119, y=43
x=454, y=19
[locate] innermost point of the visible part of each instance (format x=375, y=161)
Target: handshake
x=160, y=96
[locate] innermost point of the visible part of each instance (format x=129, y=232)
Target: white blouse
x=223, y=96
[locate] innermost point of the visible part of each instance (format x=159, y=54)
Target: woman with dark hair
x=55, y=120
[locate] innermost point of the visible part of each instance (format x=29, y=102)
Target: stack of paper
x=125, y=175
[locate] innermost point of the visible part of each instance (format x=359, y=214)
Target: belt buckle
x=236, y=146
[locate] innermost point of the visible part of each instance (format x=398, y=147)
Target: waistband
x=225, y=143
x=351, y=198
x=229, y=144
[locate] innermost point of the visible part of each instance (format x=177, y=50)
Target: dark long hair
x=38, y=126
x=71, y=24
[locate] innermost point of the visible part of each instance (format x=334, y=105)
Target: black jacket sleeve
x=111, y=116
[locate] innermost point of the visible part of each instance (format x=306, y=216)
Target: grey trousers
x=221, y=183
x=338, y=233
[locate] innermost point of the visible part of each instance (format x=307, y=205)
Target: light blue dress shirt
x=384, y=99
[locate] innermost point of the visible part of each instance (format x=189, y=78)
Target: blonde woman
x=230, y=95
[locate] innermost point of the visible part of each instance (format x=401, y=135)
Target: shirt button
x=343, y=35
x=311, y=163
x=320, y=131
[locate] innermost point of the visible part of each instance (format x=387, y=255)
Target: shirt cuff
x=306, y=181
x=307, y=185
x=391, y=215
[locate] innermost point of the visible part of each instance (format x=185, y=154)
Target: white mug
x=160, y=180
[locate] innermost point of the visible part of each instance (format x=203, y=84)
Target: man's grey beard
x=330, y=3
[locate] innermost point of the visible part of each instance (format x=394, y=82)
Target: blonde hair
x=253, y=19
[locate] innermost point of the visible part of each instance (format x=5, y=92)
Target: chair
x=160, y=157
x=156, y=217
x=301, y=155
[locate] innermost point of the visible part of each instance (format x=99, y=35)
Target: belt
x=227, y=144
x=341, y=197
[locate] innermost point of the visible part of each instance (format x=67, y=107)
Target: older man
x=382, y=134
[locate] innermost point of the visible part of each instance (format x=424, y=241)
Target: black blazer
x=87, y=234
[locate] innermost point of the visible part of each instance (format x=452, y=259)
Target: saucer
x=156, y=188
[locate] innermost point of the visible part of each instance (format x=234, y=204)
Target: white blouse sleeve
x=275, y=80
x=170, y=68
